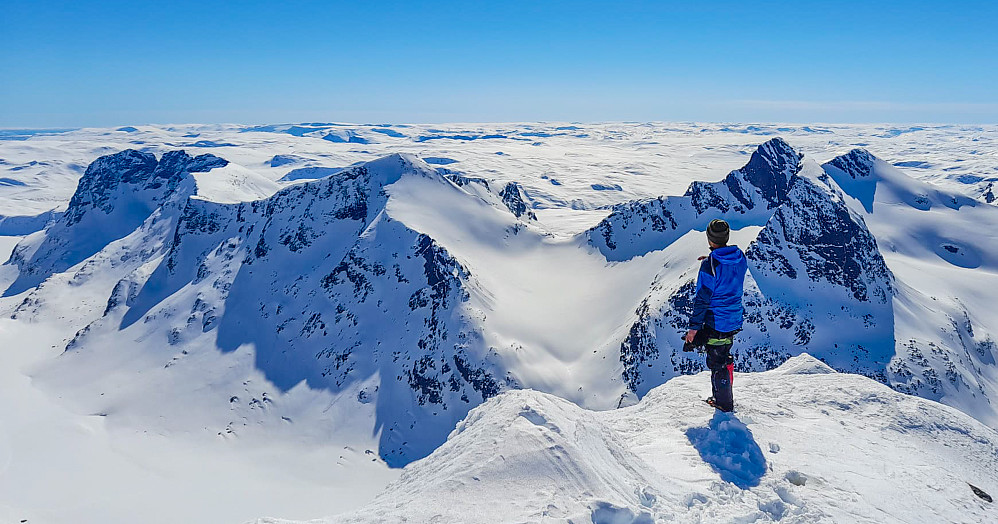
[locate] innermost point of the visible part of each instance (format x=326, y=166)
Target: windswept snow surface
x=63, y=464
x=273, y=322
x=805, y=444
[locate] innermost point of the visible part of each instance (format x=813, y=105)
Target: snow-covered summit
x=367, y=302
x=322, y=284
x=805, y=444
x=116, y=194
x=745, y=197
x=861, y=174
x=151, y=181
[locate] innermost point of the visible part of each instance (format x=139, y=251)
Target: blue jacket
x=718, y=302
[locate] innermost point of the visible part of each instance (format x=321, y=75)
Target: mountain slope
x=745, y=197
x=116, y=194
x=817, y=281
x=945, y=259
x=805, y=444
x=284, y=346
x=866, y=268
x=422, y=292
x=307, y=281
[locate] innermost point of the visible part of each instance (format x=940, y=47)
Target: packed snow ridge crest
x=670, y=458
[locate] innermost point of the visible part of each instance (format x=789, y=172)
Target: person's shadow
x=728, y=446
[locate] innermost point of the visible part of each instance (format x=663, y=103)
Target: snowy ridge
x=306, y=278
x=223, y=305
x=116, y=194
x=805, y=445
x=817, y=280
x=744, y=198
x=933, y=241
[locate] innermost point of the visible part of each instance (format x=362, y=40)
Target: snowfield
x=805, y=444
x=219, y=323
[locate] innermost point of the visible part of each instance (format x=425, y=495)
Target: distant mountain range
x=373, y=284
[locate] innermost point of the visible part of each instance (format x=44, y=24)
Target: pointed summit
x=745, y=197
x=771, y=169
x=857, y=163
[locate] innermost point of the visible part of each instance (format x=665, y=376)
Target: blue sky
x=80, y=63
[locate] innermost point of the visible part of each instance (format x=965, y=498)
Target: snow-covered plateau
x=480, y=323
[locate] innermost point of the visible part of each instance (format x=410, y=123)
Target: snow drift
x=805, y=444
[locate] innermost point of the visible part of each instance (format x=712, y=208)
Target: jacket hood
x=728, y=255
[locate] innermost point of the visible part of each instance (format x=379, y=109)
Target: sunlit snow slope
x=805, y=444
x=344, y=295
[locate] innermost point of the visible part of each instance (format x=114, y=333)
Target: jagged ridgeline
x=327, y=288
x=813, y=260
x=318, y=279
x=116, y=194
x=818, y=280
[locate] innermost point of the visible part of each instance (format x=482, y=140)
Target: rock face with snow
x=744, y=197
x=330, y=288
x=343, y=320
x=116, y=194
x=817, y=259
x=824, y=278
x=814, y=236
x=805, y=444
x=512, y=196
x=936, y=247
x=309, y=278
x=815, y=271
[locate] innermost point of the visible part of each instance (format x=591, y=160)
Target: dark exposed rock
x=639, y=347
x=96, y=187
x=857, y=163
x=771, y=169
x=744, y=197
x=980, y=493
x=832, y=243
x=512, y=196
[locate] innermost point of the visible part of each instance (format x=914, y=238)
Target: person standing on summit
x=718, y=311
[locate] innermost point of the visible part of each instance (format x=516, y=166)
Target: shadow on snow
x=728, y=446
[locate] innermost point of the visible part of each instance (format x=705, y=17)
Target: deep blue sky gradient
x=79, y=63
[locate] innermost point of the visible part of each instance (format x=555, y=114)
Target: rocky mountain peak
x=771, y=169
x=134, y=168
x=857, y=163
x=116, y=194
x=512, y=196
x=103, y=176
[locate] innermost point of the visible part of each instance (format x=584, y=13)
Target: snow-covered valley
x=276, y=321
